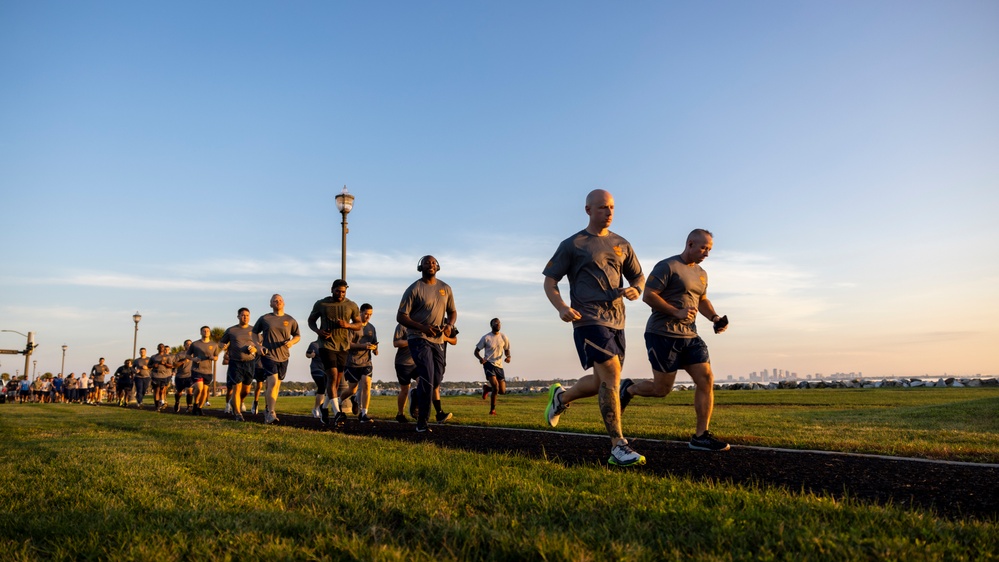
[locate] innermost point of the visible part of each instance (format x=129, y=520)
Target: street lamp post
x=34, y=368
x=135, y=339
x=63, y=368
x=344, y=203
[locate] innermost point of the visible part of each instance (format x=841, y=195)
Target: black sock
x=437, y=405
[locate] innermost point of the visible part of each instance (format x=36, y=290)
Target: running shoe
x=363, y=418
x=625, y=397
x=269, y=418
x=707, y=442
x=443, y=417
x=254, y=410
x=236, y=416
x=413, y=410
x=176, y=407
x=492, y=412
x=228, y=407
x=422, y=427
x=324, y=415
x=338, y=419
x=555, y=406
x=316, y=413
x=401, y=418
x=623, y=455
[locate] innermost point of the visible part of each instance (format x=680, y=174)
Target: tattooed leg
x=609, y=374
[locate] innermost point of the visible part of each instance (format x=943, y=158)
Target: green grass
x=106, y=483
x=938, y=423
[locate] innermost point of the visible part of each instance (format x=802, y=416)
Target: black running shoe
x=625, y=397
x=324, y=415
x=443, y=417
x=401, y=418
x=422, y=427
x=338, y=419
x=707, y=442
x=363, y=418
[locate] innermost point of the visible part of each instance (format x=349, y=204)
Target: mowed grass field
x=86, y=483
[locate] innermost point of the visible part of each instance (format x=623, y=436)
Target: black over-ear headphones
x=419, y=264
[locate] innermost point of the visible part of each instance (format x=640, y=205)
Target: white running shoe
x=316, y=413
x=623, y=455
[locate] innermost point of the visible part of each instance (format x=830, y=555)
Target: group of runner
x=596, y=261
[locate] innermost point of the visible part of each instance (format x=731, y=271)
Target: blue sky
x=180, y=159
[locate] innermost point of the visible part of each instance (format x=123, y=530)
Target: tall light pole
x=63, y=368
x=34, y=367
x=135, y=339
x=344, y=203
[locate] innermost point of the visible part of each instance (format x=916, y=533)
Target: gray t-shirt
x=402, y=354
x=276, y=331
x=201, y=354
x=597, y=267
x=98, y=371
x=142, y=370
x=316, y=367
x=427, y=304
x=329, y=310
x=362, y=357
x=182, y=365
x=239, y=339
x=681, y=286
x=161, y=365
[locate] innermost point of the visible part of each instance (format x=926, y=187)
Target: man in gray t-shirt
x=363, y=344
x=676, y=292
x=596, y=261
x=240, y=346
x=143, y=376
x=277, y=333
x=427, y=311
x=182, y=377
x=405, y=369
x=162, y=367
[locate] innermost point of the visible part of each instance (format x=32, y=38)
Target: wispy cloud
x=379, y=272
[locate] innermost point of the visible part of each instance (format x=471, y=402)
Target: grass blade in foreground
x=112, y=484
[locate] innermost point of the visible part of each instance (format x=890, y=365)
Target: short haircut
x=366, y=306
x=700, y=232
x=203, y=327
x=240, y=311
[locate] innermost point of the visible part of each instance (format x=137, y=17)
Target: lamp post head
x=64, y=348
x=344, y=201
x=136, y=317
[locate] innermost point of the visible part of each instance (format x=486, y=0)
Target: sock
x=334, y=406
x=437, y=405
